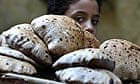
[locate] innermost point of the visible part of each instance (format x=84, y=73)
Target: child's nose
x=90, y=28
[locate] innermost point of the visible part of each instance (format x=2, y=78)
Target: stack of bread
x=76, y=55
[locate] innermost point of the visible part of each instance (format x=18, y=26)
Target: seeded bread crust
x=126, y=55
x=22, y=37
x=8, y=64
x=6, y=51
x=90, y=40
x=82, y=75
x=88, y=57
x=63, y=33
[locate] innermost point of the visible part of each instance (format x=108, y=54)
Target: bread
x=82, y=75
x=116, y=80
x=63, y=33
x=22, y=38
x=90, y=40
x=126, y=56
x=16, y=54
x=84, y=57
x=8, y=64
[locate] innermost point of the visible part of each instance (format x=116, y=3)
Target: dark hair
x=59, y=7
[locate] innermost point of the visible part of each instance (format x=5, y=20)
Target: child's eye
x=95, y=22
x=79, y=19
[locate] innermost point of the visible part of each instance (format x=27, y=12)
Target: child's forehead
x=85, y=5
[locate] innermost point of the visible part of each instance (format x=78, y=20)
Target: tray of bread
x=55, y=49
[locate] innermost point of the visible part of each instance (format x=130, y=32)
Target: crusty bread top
x=83, y=75
x=63, y=33
x=90, y=40
x=6, y=51
x=88, y=57
x=121, y=50
x=126, y=55
x=23, y=38
x=8, y=64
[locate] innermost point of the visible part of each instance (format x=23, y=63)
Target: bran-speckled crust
x=90, y=40
x=126, y=56
x=6, y=51
x=83, y=75
x=8, y=64
x=87, y=57
x=63, y=33
x=22, y=38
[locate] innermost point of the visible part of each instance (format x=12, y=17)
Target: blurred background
x=119, y=18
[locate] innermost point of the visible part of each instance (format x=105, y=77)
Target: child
x=86, y=12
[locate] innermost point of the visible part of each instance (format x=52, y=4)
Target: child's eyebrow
x=82, y=12
x=97, y=15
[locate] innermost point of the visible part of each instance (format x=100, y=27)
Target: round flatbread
x=126, y=56
x=6, y=51
x=90, y=40
x=88, y=57
x=22, y=38
x=8, y=64
x=82, y=75
x=61, y=33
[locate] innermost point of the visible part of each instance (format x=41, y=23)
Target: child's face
x=86, y=12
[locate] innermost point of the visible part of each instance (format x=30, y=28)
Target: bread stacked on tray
x=22, y=38
x=69, y=44
x=62, y=34
x=25, y=47
x=76, y=55
x=117, y=55
x=85, y=66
